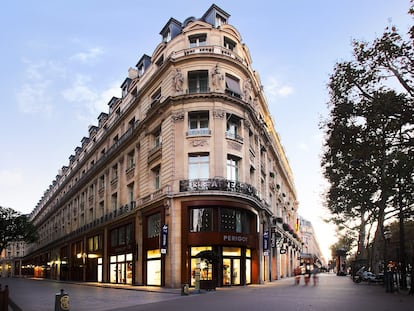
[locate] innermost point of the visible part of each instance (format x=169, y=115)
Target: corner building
x=183, y=181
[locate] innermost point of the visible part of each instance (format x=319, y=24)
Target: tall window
x=156, y=97
x=198, y=81
x=233, y=86
x=130, y=193
x=114, y=201
x=114, y=172
x=198, y=123
x=233, y=127
x=233, y=167
x=156, y=177
x=220, y=20
x=201, y=219
x=131, y=160
x=157, y=138
x=198, y=166
x=197, y=40
x=232, y=220
x=229, y=44
x=154, y=225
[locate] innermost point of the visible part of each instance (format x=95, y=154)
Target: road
x=332, y=293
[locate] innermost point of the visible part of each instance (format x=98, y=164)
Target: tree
x=15, y=227
x=369, y=144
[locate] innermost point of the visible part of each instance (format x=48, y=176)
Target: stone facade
x=186, y=161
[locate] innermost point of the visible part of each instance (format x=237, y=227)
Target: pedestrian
x=297, y=272
x=307, y=275
x=315, y=272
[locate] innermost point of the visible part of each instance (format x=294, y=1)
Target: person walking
x=315, y=272
x=298, y=272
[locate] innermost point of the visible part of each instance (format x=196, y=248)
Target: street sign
x=164, y=239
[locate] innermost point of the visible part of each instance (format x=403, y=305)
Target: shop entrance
x=231, y=271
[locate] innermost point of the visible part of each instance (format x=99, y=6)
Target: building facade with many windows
x=184, y=180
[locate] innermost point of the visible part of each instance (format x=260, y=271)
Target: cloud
x=90, y=102
x=35, y=96
x=89, y=56
x=275, y=89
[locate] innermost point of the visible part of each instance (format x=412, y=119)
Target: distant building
x=186, y=166
x=10, y=259
x=311, y=253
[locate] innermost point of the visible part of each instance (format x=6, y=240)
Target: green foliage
x=15, y=227
x=368, y=155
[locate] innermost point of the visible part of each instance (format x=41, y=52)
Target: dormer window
x=141, y=70
x=197, y=40
x=124, y=92
x=167, y=37
x=229, y=44
x=220, y=20
x=143, y=64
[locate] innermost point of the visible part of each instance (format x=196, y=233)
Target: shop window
x=206, y=268
x=121, y=268
x=154, y=267
x=198, y=166
x=94, y=243
x=122, y=236
x=201, y=219
x=198, y=81
x=233, y=220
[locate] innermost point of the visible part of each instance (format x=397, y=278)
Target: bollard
x=62, y=301
x=4, y=298
x=184, y=289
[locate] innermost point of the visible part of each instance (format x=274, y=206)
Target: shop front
x=220, y=239
x=121, y=254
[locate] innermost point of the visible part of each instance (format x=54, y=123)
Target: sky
x=62, y=61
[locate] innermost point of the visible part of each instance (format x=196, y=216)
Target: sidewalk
x=30, y=294
x=332, y=293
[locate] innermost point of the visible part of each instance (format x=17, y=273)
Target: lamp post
x=388, y=275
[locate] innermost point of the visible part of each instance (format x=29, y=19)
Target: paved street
x=332, y=293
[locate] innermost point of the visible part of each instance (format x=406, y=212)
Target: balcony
x=218, y=184
x=234, y=136
x=199, y=132
x=206, y=50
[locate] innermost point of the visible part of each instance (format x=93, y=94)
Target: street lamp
x=388, y=275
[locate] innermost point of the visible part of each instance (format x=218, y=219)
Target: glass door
x=231, y=271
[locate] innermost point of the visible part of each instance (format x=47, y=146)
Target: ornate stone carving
x=217, y=78
x=219, y=114
x=247, y=88
x=234, y=145
x=178, y=81
x=178, y=116
x=199, y=142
